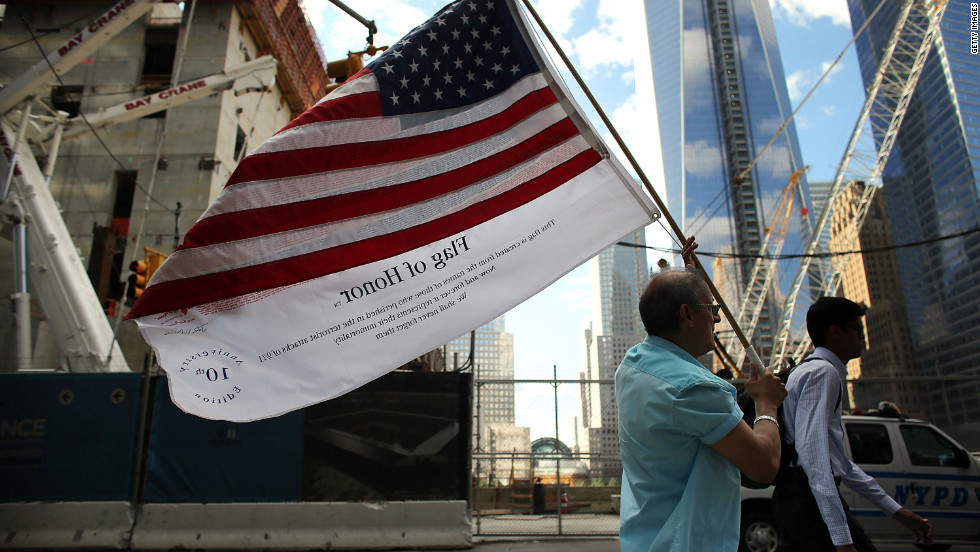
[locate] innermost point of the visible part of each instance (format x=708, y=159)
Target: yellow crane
x=765, y=267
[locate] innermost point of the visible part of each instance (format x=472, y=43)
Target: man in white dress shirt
x=806, y=501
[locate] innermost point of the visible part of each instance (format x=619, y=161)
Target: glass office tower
x=617, y=277
x=932, y=180
x=721, y=96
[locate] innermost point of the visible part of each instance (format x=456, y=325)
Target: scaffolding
x=283, y=29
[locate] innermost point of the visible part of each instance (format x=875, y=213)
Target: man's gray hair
x=661, y=301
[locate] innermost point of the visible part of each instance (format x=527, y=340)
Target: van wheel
x=934, y=547
x=758, y=532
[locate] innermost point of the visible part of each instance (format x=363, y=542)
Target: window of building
x=160, y=48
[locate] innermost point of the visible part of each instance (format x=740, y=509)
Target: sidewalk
x=553, y=544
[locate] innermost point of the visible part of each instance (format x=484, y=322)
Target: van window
x=927, y=447
x=869, y=443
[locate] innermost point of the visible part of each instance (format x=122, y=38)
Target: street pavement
x=579, y=544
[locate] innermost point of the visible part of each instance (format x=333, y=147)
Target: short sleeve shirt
x=678, y=494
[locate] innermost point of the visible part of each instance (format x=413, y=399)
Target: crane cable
x=745, y=172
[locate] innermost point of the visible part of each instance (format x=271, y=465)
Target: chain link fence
x=553, y=469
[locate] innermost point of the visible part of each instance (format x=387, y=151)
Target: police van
x=921, y=467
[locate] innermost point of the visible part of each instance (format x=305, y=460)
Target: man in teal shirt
x=682, y=437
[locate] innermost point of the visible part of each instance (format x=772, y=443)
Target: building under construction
x=122, y=187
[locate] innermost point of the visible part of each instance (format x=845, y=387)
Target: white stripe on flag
x=345, y=131
x=263, y=249
x=264, y=193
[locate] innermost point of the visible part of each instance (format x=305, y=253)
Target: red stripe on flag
x=344, y=107
x=199, y=290
x=285, y=164
x=240, y=225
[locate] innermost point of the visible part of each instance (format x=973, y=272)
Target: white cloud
x=598, y=47
x=576, y=299
x=795, y=82
x=339, y=33
x=557, y=13
x=800, y=82
x=801, y=12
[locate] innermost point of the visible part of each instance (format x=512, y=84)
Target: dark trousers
x=801, y=528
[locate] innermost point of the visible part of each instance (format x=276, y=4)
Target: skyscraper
x=931, y=179
x=493, y=359
x=617, y=276
x=721, y=97
x=871, y=278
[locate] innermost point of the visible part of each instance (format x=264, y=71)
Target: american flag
x=453, y=125
x=454, y=128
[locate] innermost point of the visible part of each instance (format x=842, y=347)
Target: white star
x=415, y=66
x=404, y=82
x=471, y=76
x=448, y=78
x=462, y=91
x=394, y=99
x=468, y=47
x=472, y=6
x=459, y=63
x=465, y=19
x=445, y=48
x=438, y=94
x=487, y=46
x=396, y=53
x=432, y=35
x=515, y=69
x=488, y=84
x=425, y=80
x=495, y=31
x=439, y=21
x=505, y=50
x=455, y=34
x=436, y=64
x=475, y=33
x=423, y=51
x=478, y=60
x=388, y=68
x=416, y=97
x=497, y=68
x=483, y=19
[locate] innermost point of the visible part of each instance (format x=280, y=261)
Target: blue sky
x=606, y=41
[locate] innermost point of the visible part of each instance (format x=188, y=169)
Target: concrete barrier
x=306, y=526
x=236, y=526
x=62, y=525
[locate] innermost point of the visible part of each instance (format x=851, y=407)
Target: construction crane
x=765, y=267
x=58, y=277
x=888, y=97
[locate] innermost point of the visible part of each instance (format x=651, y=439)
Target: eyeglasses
x=715, y=307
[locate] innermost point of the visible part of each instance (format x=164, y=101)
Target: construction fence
x=552, y=466
x=542, y=464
